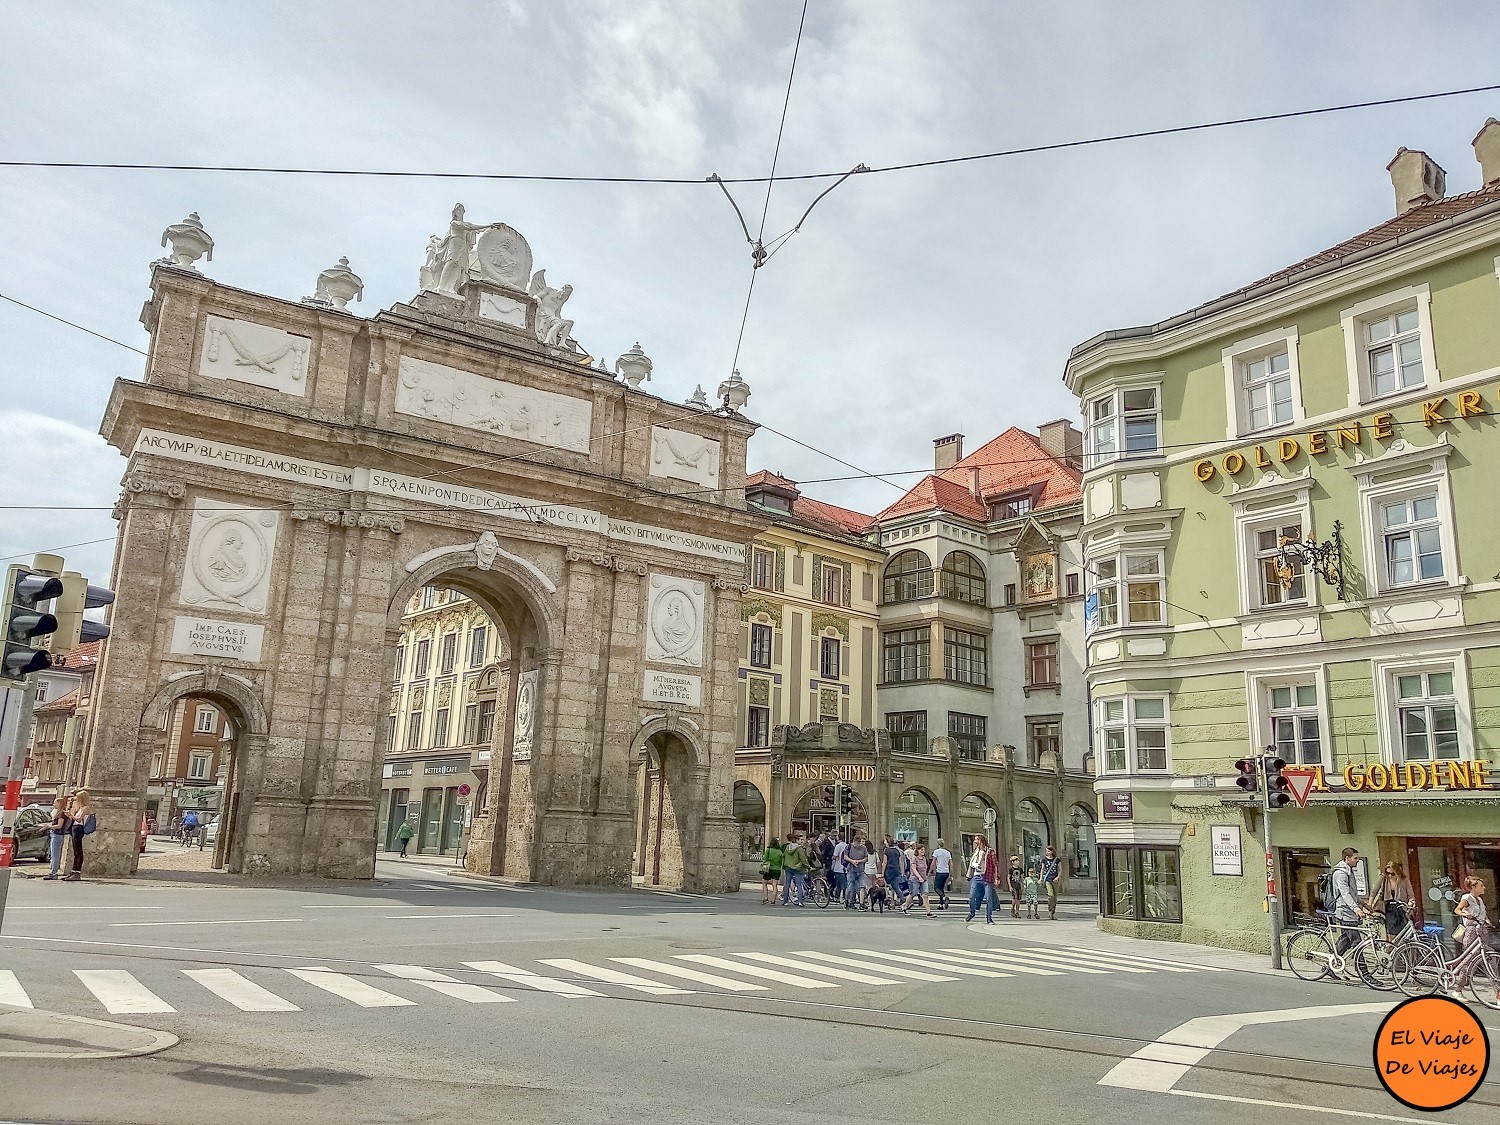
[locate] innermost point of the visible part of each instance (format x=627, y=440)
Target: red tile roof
x=1012, y=462
x=765, y=476
x=70, y=699
x=84, y=656
x=846, y=520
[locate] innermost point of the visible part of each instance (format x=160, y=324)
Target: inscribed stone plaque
x=205, y=636
x=673, y=687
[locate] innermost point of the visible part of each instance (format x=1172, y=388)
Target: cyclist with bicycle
x=1347, y=910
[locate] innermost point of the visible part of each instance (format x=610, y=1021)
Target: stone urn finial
x=189, y=242
x=699, y=401
x=336, y=285
x=634, y=365
x=734, y=392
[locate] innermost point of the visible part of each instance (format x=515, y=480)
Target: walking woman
x=1393, y=898
x=57, y=834
x=770, y=872
x=83, y=825
x=982, y=881
x=919, y=884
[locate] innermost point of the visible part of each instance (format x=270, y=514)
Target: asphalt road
x=428, y=997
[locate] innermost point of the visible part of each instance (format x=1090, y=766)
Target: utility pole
x=15, y=721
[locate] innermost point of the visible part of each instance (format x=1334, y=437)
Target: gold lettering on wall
x=1317, y=442
x=823, y=771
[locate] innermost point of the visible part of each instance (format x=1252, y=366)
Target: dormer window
x=1009, y=507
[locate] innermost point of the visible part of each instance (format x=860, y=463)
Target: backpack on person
x=90, y=823
x=1328, y=895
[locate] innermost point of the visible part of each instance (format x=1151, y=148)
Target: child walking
x=1033, y=892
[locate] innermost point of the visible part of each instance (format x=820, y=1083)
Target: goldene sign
x=1406, y=777
x=817, y=771
x=1382, y=427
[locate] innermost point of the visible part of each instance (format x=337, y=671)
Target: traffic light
x=72, y=628
x=1278, y=794
x=1246, y=778
x=24, y=620
x=846, y=801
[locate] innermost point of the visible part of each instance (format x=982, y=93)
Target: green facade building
x=1292, y=540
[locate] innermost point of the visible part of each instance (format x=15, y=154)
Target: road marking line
x=842, y=974
x=927, y=957
x=746, y=970
x=531, y=980
x=240, y=991
x=689, y=974
x=614, y=976
x=1295, y=1105
x=892, y=970
x=931, y=963
x=1012, y=956
x=1014, y=964
x=1160, y=962
x=11, y=991
x=120, y=993
x=347, y=988
x=446, y=985
x=214, y=922
x=1057, y=957
x=1157, y=1066
x=426, y=917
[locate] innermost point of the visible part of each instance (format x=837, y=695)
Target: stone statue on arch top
x=451, y=256
x=551, y=328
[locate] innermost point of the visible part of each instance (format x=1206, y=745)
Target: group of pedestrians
x=1029, y=887
x=72, y=819
x=869, y=874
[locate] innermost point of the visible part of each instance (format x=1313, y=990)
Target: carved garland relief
x=464, y=398
x=229, y=556
x=246, y=352
x=684, y=456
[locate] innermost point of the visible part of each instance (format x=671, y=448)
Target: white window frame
x=1237, y=357
x=1121, y=583
x=1250, y=519
x=1116, y=398
x=1356, y=320
x=207, y=713
x=1263, y=715
x=1388, y=703
x=1131, y=725
x=194, y=759
x=1379, y=489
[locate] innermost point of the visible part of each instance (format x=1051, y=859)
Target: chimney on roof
x=1487, y=150
x=1416, y=178
x=974, y=489
x=947, y=451
x=1060, y=439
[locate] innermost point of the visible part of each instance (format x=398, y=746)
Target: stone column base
x=114, y=850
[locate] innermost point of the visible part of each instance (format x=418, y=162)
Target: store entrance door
x=1300, y=870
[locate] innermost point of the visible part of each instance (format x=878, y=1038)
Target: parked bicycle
x=1422, y=970
x=1313, y=953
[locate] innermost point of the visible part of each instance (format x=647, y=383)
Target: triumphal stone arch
x=296, y=473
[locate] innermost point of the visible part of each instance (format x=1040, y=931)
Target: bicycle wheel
x=1418, y=968
x=820, y=892
x=1484, y=981
x=1308, y=953
x=1373, y=961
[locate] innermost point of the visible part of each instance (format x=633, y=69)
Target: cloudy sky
x=912, y=304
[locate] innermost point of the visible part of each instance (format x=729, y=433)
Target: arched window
x=1083, y=855
x=963, y=578
x=908, y=577
x=917, y=819
x=750, y=817
x=1031, y=827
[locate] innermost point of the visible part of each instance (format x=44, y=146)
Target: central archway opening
x=664, y=799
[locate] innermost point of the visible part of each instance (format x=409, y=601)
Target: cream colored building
x=448, y=683
x=808, y=637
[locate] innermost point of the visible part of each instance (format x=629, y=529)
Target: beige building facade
x=297, y=473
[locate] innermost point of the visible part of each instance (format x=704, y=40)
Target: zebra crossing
x=271, y=990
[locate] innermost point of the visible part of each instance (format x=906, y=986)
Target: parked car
x=211, y=832
x=31, y=832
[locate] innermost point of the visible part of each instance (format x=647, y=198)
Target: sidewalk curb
x=501, y=880
x=12, y=1019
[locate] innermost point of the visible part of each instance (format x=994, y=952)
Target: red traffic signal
x=1246, y=779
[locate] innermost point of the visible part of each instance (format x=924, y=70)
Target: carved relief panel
x=463, y=398
x=684, y=456
x=246, y=352
x=674, y=621
x=229, y=556
x=525, y=716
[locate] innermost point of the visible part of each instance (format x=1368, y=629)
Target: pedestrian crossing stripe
x=120, y=992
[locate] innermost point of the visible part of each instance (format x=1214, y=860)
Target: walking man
x=404, y=834
x=836, y=866
x=942, y=868
x=854, y=870
x=1347, y=909
x=1051, y=874
x=794, y=870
